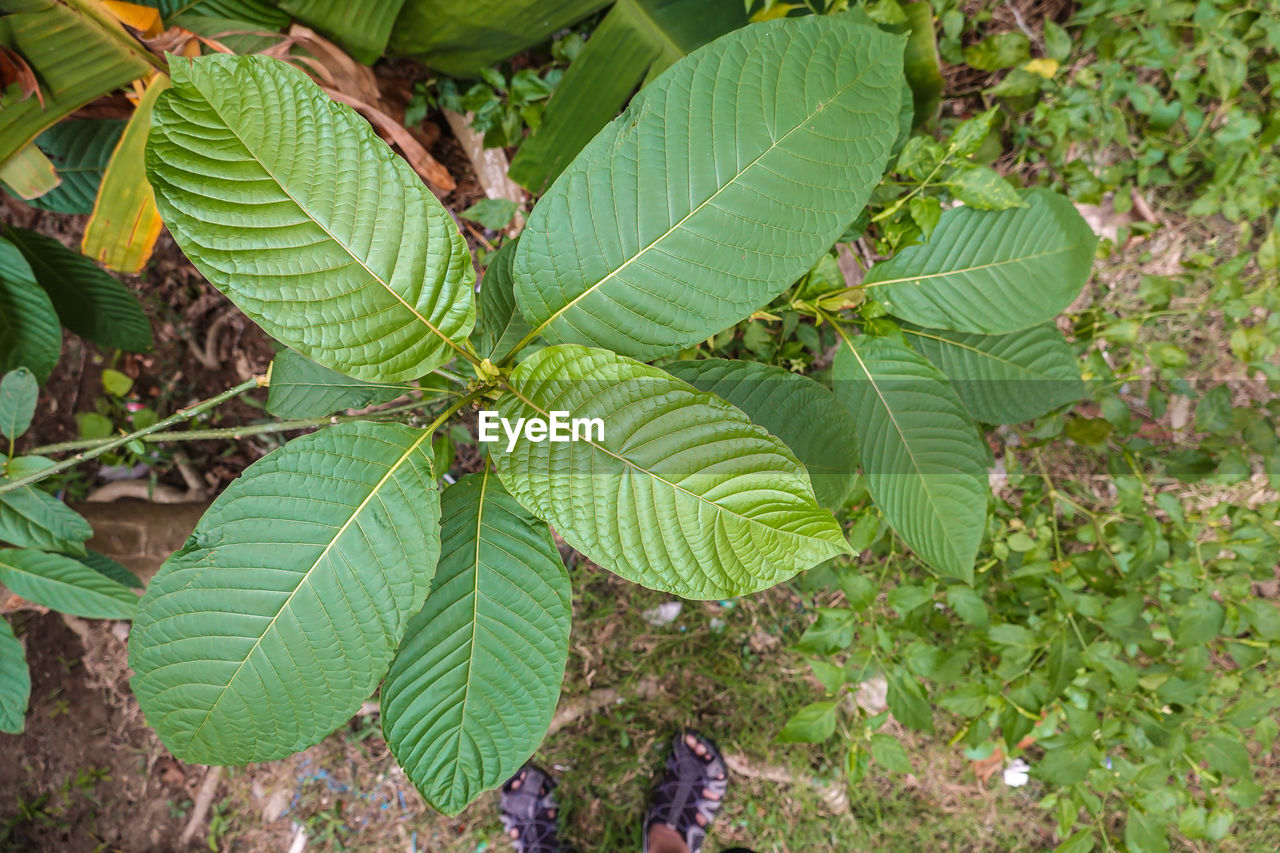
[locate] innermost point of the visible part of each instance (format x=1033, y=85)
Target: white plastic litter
x=1017, y=773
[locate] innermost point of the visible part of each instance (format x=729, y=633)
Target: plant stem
x=452, y=410
x=174, y=419
x=237, y=431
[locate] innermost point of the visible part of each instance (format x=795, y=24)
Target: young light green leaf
x=795, y=408
x=90, y=301
x=30, y=518
x=1005, y=379
x=15, y=681
x=64, y=584
x=924, y=461
x=80, y=150
x=500, y=326
x=293, y=207
x=990, y=272
x=684, y=493
x=475, y=682
x=18, y=393
x=282, y=612
x=811, y=724
x=1002, y=50
x=29, y=333
x=710, y=218
x=300, y=388
x=984, y=189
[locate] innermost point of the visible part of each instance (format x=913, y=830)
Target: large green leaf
x=683, y=493
x=78, y=52
x=719, y=186
x=795, y=408
x=283, y=610
x=300, y=388
x=638, y=39
x=89, y=301
x=924, y=461
x=15, y=681
x=64, y=584
x=921, y=62
x=473, y=687
x=1005, y=379
x=292, y=206
x=29, y=333
x=30, y=518
x=80, y=150
x=990, y=271
x=361, y=28
x=104, y=565
x=462, y=37
x=500, y=326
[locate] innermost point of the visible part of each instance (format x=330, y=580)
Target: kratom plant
x=335, y=563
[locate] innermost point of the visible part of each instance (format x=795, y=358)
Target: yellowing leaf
x=144, y=19
x=125, y=223
x=1046, y=68
x=29, y=173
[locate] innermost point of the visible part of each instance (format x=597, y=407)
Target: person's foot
x=529, y=811
x=688, y=797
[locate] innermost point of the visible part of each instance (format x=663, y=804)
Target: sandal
x=681, y=797
x=529, y=809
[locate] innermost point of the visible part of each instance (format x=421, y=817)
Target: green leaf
x=104, y=565
x=29, y=332
x=1056, y=41
x=282, y=612
x=64, y=584
x=1226, y=755
x=80, y=150
x=90, y=301
x=293, y=207
x=683, y=493
x=984, y=189
x=968, y=605
x=15, y=681
x=30, y=518
x=258, y=13
x=924, y=461
x=710, y=219
x=1065, y=765
x=475, y=682
x=1002, y=50
x=116, y=383
x=636, y=41
x=500, y=327
x=493, y=213
x=1199, y=621
x=1145, y=833
x=990, y=272
x=362, y=29
x=889, y=753
x=300, y=388
x=811, y=724
x=1005, y=379
x=921, y=62
x=1080, y=842
x=795, y=408
x=461, y=37
x=18, y=393
x=907, y=701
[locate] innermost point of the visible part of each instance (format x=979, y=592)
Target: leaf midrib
x=510, y=387
x=310, y=216
x=977, y=352
x=475, y=630
x=870, y=64
x=306, y=577
x=920, y=279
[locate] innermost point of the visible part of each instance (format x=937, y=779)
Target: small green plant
x=334, y=561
